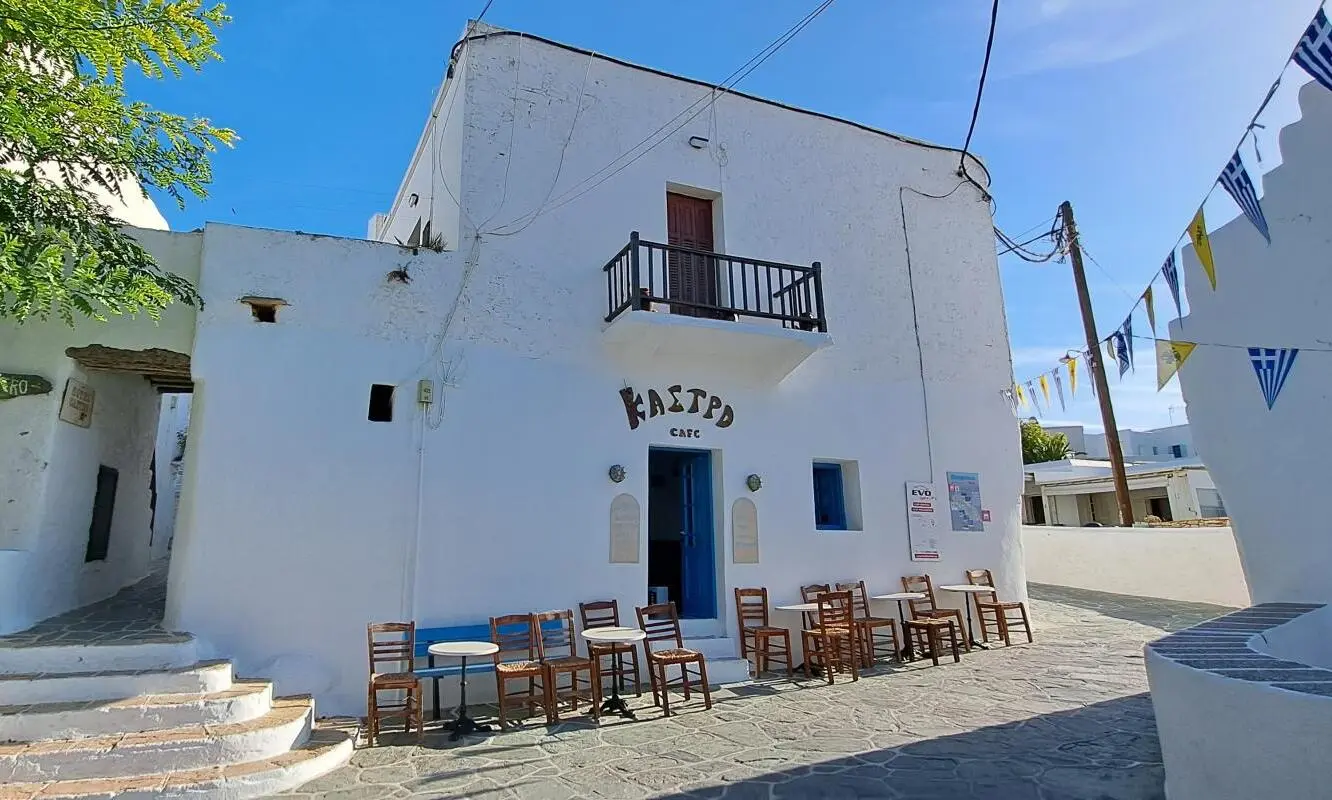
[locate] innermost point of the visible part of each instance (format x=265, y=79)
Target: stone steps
x=724, y=664
x=324, y=751
x=243, y=701
x=58, y=658
x=19, y=689
x=190, y=747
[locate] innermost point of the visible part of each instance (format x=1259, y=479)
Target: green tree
x=1039, y=445
x=68, y=129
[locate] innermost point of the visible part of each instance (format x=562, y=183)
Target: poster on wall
x=76, y=407
x=964, y=502
x=922, y=522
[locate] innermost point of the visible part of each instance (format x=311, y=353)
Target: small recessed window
x=829, y=497
x=381, y=403
x=263, y=309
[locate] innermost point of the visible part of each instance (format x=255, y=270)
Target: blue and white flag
x=1127, y=331
x=1059, y=390
x=1236, y=181
x=1314, y=52
x=1273, y=366
x=1121, y=352
x=1171, y=273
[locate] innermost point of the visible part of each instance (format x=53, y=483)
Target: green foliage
x=67, y=129
x=1038, y=445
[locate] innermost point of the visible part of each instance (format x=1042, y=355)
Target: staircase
x=722, y=652
x=148, y=719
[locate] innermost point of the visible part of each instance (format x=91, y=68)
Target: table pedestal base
x=616, y=705
x=464, y=725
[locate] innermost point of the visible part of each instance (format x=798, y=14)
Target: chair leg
x=790, y=668
x=1026, y=623
x=665, y=690
x=935, y=644
x=952, y=635
x=703, y=679
x=372, y=715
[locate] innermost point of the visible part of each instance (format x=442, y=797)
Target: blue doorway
x=682, y=559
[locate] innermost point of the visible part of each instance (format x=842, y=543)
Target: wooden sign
x=77, y=406
x=625, y=529
x=677, y=400
x=744, y=532
x=12, y=385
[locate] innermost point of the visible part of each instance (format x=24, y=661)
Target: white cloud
x=1070, y=34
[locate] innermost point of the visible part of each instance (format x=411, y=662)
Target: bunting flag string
x=1127, y=330
x=1031, y=393
x=1090, y=357
x=1121, y=352
x=1314, y=51
x=1235, y=180
x=1202, y=246
x=1059, y=390
x=1273, y=366
x=1045, y=389
x=1170, y=356
x=1171, y=273
x=1021, y=398
x=1073, y=377
x=1151, y=311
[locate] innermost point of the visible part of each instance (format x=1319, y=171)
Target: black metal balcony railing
x=652, y=276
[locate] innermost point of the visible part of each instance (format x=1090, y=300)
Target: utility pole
x=1097, y=366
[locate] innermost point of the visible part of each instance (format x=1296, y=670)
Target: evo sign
x=677, y=400
x=12, y=385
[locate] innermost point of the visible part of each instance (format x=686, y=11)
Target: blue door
x=699, y=561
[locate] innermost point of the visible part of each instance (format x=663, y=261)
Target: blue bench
x=459, y=633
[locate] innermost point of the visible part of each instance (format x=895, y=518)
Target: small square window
x=829, y=497
x=381, y=403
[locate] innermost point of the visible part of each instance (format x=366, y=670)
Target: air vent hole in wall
x=381, y=403
x=263, y=309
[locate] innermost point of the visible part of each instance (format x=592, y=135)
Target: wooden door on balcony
x=690, y=277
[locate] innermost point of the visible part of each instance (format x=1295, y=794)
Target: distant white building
x=1078, y=491
x=1162, y=444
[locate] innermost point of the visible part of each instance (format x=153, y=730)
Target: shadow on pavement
x=1168, y=615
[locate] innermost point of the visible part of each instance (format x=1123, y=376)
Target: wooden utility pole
x=1097, y=366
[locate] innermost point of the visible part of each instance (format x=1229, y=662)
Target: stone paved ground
x=1066, y=718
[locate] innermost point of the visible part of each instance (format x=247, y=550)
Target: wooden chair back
x=811, y=592
x=751, y=608
x=600, y=614
x=982, y=577
x=516, y=635
x=661, y=623
x=835, y=610
x=391, y=643
x=859, y=597
x=556, y=631
x=923, y=584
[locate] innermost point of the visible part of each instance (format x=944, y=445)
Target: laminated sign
x=922, y=521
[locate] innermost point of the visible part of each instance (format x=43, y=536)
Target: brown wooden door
x=692, y=278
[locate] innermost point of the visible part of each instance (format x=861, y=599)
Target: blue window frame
x=829, y=501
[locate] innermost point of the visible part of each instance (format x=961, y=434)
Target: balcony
x=667, y=301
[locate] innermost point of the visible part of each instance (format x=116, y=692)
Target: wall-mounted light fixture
x=616, y=473
x=698, y=142
x=754, y=482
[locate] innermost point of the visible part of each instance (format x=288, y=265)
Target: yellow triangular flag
x=1045, y=389
x=1151, y=310
x=1203, y=247
x=1073, y=377
x=1169, y=357
x=1110, y=353
x=1021, y=396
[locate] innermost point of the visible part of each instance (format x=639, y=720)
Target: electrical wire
x=980, y=92
x=513, y=130
x=1056, y=232
x=600, y=176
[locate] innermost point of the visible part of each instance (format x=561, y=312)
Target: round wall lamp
x=754, y=482
x=616, y=473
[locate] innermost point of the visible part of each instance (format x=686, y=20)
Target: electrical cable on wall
x=980, y=92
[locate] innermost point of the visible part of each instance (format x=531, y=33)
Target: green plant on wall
x=68, y=130
x=1039, y=445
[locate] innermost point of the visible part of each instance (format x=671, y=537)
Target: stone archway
x=166, y=370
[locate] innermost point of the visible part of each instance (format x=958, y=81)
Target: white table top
x=614, y=635
x=800, y=607
x=967, y=587
x=899, y=596
x=463, y=649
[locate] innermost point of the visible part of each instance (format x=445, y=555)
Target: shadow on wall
x=1168, y=615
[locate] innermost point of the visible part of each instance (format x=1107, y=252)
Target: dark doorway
x=681, y=553
x=1160, y=506
x=1036, y=510
x=104, y=507
x=692, y=277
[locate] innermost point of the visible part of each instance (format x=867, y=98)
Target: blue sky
x=1127, y=108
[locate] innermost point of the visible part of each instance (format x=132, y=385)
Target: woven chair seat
x=764, y=630
x=1000, y=604
x=931, y=622
x=519, y=668
x=675, y=655
x=569, y=662
x=872, y=621
x=394, y=680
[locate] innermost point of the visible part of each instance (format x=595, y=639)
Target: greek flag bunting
x=1272, y=366
x=1127, y=332
x=1314, y=52
x=1236, y=181
x=1171, y=273
x=1059, y=389
x=1121, y=352
x=1148, y=301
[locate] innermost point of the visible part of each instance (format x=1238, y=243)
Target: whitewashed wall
x=1271, y=467
x=1198, y=565
x=173, y=422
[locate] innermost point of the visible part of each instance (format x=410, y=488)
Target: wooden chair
x=808, y=594
x=557, y=636
x=768, y=643
x=519, y=658
x=927, y=608
x=927, y=633
x=834, y=634
x=661, y=623
x=871, y=645
x=606, y=614
x=991, y=611
x=392, y=645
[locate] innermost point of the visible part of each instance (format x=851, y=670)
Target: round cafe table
x=802, y=609
x=610, y=635
x=900, y=597
x=463, y=724
x=966, y=590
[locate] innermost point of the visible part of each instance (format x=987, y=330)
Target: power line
x=980, y=91
x=697, y=107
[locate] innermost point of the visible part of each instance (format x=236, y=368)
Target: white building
x=1154, y=444
x=1078, y=491
x=382, y=433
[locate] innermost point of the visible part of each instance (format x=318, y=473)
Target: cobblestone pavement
x=131, y=616
x=1066, y=718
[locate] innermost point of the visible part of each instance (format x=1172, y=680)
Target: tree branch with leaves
x=1039, y=445
x=69, y=135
